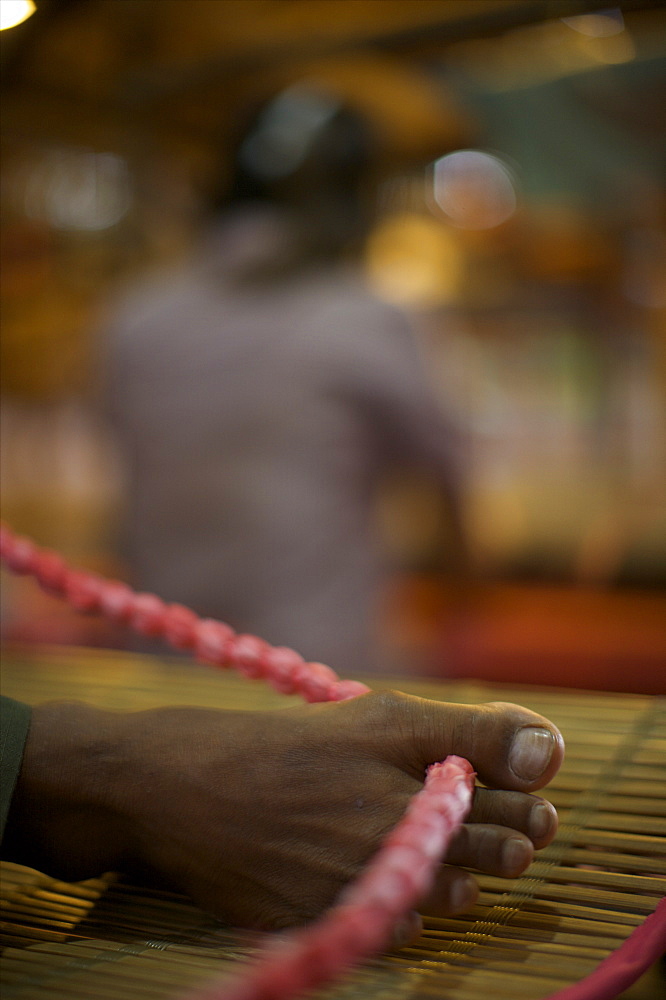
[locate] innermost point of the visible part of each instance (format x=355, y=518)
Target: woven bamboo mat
x=582, y=896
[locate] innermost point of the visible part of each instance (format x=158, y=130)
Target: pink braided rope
x=360, y=924
x=210, y=641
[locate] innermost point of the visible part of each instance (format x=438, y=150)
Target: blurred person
x=260, y=392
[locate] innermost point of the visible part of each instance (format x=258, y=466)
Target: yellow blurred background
x=520, y=216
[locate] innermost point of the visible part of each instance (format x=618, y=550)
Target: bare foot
x=262, y=817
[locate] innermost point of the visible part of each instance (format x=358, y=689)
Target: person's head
x=310, y=154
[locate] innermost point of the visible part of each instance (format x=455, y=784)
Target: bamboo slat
x=582, y=896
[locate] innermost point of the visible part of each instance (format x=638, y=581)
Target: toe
x=454, y=891
x=508, y=746
x=494, y=850
x=528, y=814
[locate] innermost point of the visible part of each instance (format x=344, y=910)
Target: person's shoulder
x=344, y=293
x=150, y=294
x=342, y=325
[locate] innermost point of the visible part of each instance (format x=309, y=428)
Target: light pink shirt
x=257, y=422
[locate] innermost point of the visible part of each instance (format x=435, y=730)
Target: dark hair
x=310, y=154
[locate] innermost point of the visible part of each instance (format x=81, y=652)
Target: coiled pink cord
x=360, y=924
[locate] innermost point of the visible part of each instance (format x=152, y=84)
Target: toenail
x=463, y=894
x=407, y=930
x=531, y=751
x=541, y=819
x=514, y=855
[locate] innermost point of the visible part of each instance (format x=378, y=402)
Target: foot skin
x=262, y=817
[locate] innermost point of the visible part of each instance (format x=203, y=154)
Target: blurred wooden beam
x=451, y=21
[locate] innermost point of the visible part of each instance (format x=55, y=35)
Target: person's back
x=257, y=418
x=260, y=391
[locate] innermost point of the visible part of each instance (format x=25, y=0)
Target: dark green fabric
x=14, y=725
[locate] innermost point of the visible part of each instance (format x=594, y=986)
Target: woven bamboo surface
x=582, y=896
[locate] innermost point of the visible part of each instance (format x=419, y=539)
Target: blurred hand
x=262, y=817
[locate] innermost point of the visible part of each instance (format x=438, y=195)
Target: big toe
x=509, y=746
x=513, y=747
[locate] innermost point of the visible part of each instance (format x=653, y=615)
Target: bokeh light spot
x=474, y=190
